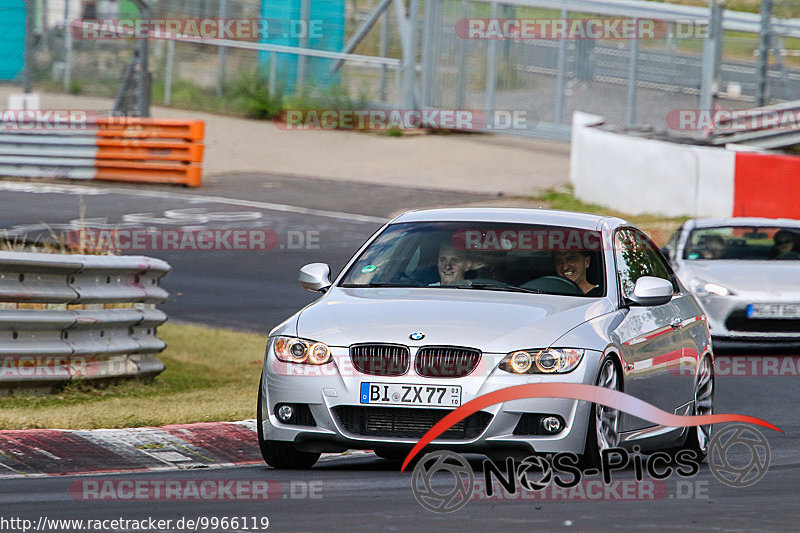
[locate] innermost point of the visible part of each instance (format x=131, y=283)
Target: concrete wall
x=639, y=176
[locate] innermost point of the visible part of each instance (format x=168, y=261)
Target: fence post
x=561, y=68
x=630, y=110
x=491, y=71
x=462, y=62
x=168, y=73
x=427, y=53
x=384, y=45
x=763, y=53
x=305, y=15
x=222, y=52
x=67, y=48
x=273, y=73
x=712, y=49
x=408, y=29
x=27, y=69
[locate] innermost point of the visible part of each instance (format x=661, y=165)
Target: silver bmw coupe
x=442, y=306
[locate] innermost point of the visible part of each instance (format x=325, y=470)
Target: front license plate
x=406, y=394
x=773, y=311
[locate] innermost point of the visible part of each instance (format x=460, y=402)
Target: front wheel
x=603, y=431
x=280, y=454
x=699, y=436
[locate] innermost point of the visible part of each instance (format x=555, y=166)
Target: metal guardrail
x=108, y=149
x=765, y=128
x=69, y=317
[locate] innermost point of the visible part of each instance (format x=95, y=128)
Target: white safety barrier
x=638, y=176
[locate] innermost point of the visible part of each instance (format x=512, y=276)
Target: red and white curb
x=57, y=452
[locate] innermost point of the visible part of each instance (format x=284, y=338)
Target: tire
x=603, y=430
x=699, y=436
x=280, y=454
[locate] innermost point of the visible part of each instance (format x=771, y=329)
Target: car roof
x=510, y=215
x=744, y=221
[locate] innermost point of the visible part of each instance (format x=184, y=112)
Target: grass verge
x=211, y=375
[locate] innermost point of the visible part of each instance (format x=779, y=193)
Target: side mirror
x=315, y=277
x=651, y=291
x=665, y=252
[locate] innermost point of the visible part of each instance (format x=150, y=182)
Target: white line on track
x=46, y=188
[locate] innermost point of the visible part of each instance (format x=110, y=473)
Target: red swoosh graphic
x=576, y=391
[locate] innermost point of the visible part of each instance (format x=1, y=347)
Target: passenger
x=712, y=246
x=453, y=264
x=572, y=265
x=786, y=245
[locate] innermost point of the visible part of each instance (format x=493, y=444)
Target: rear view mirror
x=315, y=277
x=650, y=291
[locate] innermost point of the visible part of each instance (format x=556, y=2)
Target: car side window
x=636, y=257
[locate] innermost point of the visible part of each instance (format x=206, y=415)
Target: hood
x=492, y=321
x=780, y=277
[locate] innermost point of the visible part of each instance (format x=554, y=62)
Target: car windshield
x=753, y=243
x=483, y=256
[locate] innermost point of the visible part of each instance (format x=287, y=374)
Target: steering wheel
x=405, y=278
x=554, y=284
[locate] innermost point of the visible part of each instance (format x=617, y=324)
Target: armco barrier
x=67, y=317
x=107, y=148
x=638, y=175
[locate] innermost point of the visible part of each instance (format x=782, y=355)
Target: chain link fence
x=630, y=81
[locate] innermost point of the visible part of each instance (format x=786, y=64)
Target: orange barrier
x=150, y=150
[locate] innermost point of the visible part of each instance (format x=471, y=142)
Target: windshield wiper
x=490, y=287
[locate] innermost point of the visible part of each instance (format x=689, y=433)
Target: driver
x=572, y=265
x=452, y=264
x=786, y=245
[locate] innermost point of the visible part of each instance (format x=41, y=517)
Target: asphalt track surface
x=362, y=492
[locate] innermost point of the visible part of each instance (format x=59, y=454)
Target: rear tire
x=603, y=430
x=280, y=454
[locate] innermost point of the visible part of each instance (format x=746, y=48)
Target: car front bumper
x=335, y=388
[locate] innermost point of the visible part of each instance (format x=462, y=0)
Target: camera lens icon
x=451, y=495
x=739, y=455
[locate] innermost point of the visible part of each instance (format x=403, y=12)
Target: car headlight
x=294, y=350
x=703, y=288
x=544, y=361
